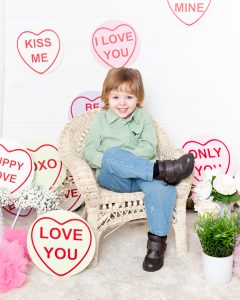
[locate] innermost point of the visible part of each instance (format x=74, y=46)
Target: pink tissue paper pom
x=19, y=235
x=13, y=265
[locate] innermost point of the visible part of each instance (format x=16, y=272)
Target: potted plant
x=217, y=233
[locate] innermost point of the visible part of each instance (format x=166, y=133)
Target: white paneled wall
x=191, y=73
x=2, y=59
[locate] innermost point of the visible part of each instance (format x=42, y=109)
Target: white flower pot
x=217, y=269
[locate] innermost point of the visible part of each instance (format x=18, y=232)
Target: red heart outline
x=106, y=28
x=14, y=214
x=61, y=224
x=77, y=190
x=215, y=140
x=185, y=22
x=61, y=165
x=36, y=34
x=82, y=97
x=75, y=202
x=31, y=163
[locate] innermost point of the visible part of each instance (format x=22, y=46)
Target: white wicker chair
x=106, y=209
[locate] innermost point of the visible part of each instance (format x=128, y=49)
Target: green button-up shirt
x=137, y=134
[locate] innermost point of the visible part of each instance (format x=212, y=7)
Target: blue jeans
x=124, y=172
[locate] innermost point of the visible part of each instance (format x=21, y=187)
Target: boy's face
x=122, y=103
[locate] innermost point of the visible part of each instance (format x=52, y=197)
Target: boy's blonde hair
x=130, y=78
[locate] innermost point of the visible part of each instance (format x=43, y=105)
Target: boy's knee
x=109, y=158
x=166, y=191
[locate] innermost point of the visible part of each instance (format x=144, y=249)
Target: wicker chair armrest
x=183, y=190
x=86, y=183
x=177, y=152
x=184, y=186
x=165, y=149
x=84, y=179
x=82, y=173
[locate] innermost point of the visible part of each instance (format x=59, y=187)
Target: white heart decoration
x=16, y=166
x=189, y=11
x=61, y=243
x=39, y=51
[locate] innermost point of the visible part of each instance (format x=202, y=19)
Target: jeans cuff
x=150, y=172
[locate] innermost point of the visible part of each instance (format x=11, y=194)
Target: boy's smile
x=122, y=103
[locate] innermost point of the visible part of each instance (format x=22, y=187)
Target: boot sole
x=152, y=270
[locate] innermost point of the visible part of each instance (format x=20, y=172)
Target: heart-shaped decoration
x=72, y=198
x=49, y=169
x=115, y=46
x=189, y=11
x=16, y=166
x=10, y=211
x=212, y=154
x=39, y=50
x=84, y=103
x=61, y=243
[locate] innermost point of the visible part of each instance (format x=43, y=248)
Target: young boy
x=121, y=146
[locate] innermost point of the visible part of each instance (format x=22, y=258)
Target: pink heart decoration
x=39, y=51
x=83, y=103
x=189, y=11
x=67, y=252
x=213, y=154
x=115, y=47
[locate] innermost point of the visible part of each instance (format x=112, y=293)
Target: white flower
x=237, y=182
x=202, y=191
x=224, y=184
x=38, y=197
x=207, y=206
x=209, y=173
x=5, y=197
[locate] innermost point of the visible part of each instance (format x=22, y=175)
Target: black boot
x=172, y=171
x=156, y=247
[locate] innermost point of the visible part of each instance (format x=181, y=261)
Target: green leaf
x=217, y=234
x=224, y=198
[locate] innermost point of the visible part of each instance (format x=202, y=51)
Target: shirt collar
x=136, y=115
